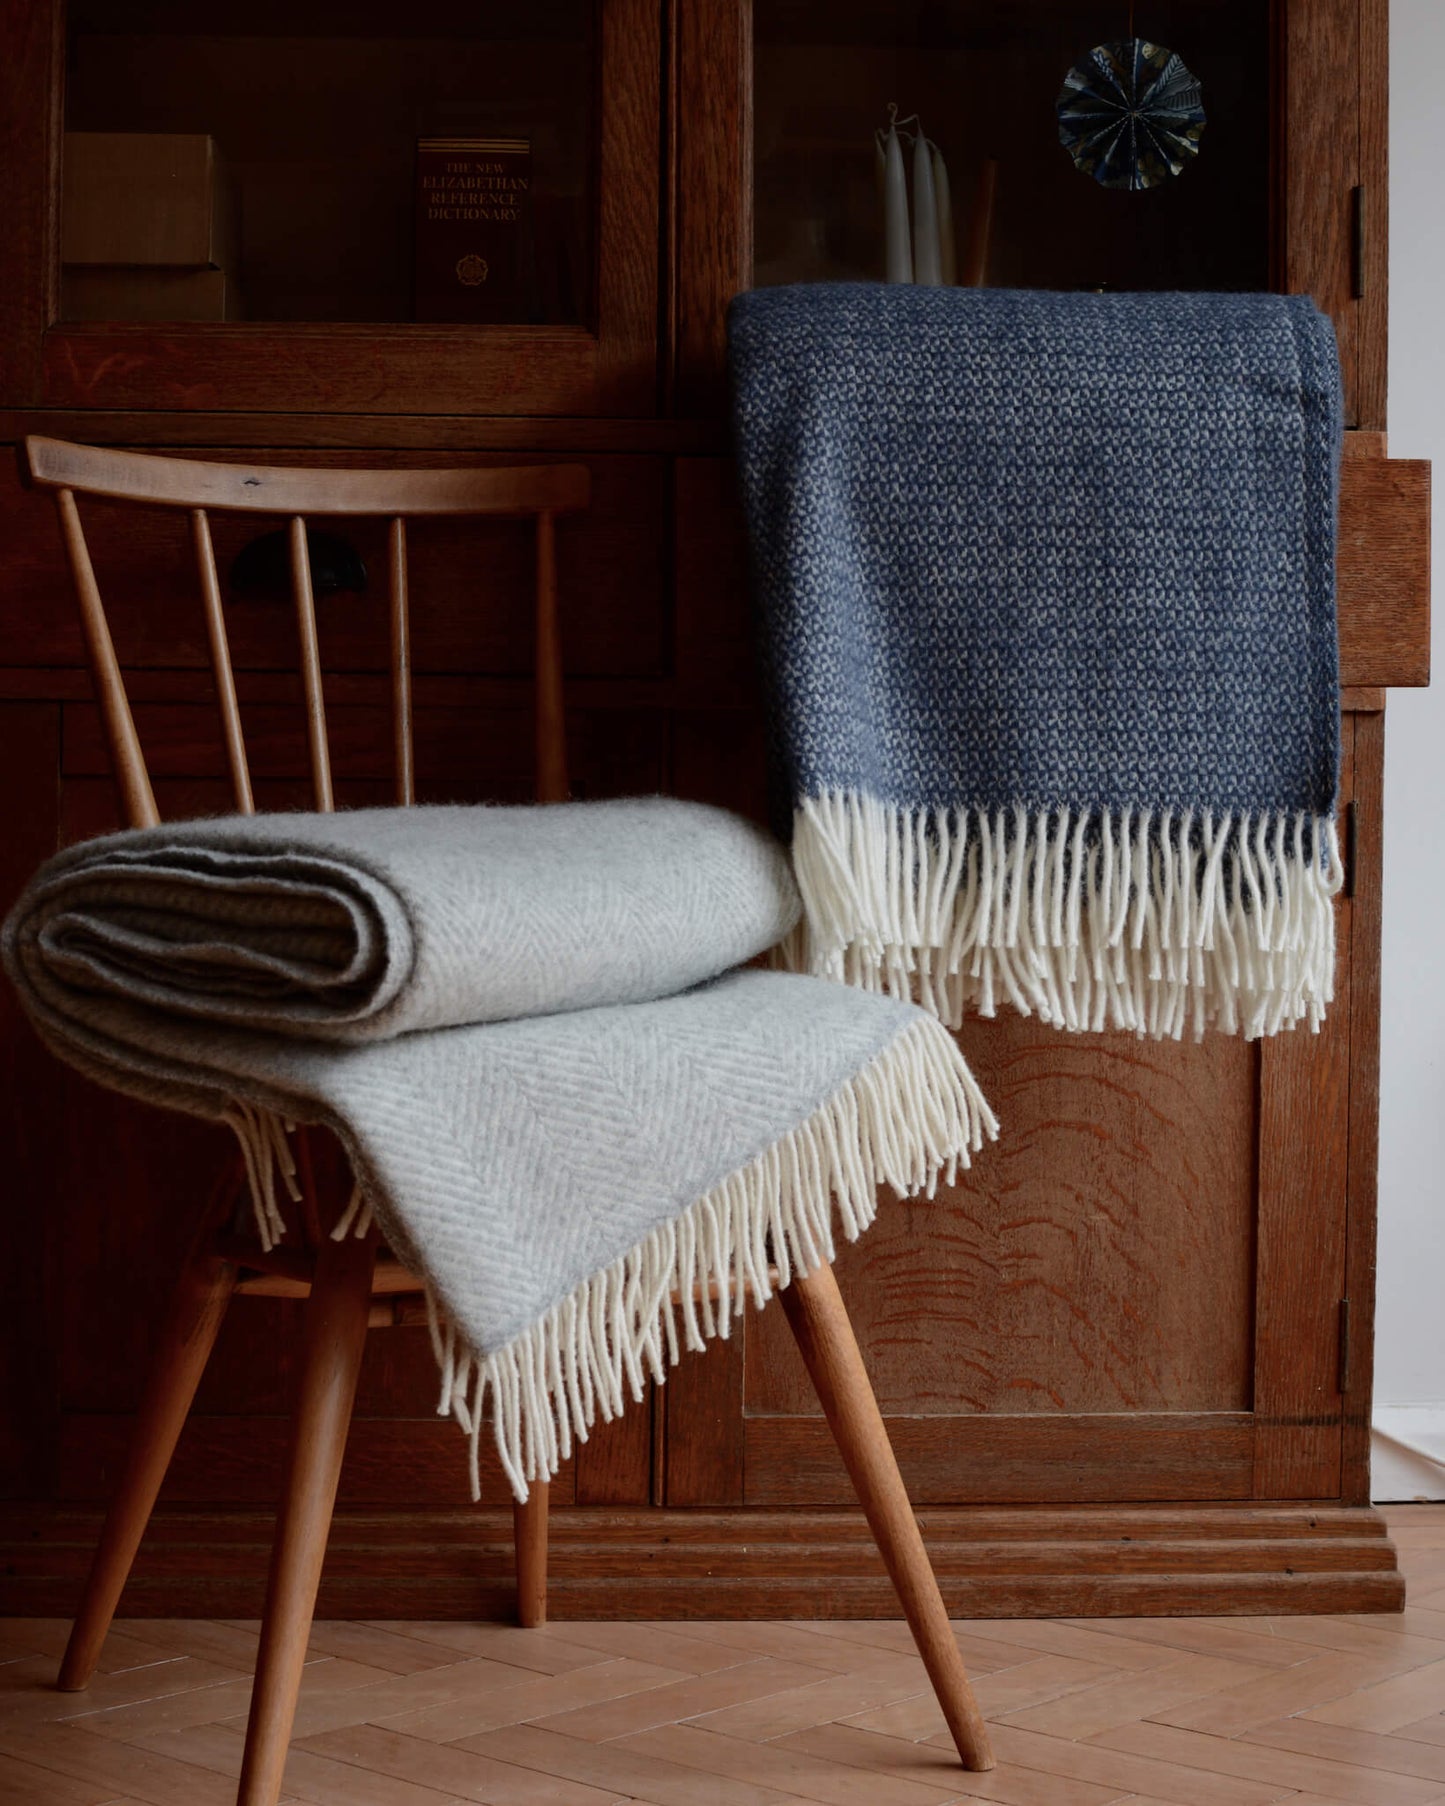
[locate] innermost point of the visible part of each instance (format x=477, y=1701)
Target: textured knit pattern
x=1069, y=555
x=554, y=1176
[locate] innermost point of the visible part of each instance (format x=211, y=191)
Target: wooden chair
x=344, y=1283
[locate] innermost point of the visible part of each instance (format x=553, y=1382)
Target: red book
x=473, y=229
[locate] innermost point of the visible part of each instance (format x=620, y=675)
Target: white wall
x=1410, y=1337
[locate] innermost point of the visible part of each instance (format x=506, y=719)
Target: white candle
x=898, y=251
x=927, y=261
x=943, y=201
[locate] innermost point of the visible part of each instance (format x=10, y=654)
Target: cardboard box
x=146, y=198
x=111, y=292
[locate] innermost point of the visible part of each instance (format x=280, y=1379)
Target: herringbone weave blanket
x=1047, y=590
x=477, y=1002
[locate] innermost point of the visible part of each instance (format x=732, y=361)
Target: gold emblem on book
x=471, y=270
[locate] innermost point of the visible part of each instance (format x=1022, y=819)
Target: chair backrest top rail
x=269, y=489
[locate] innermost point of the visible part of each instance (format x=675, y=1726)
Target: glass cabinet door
x=317, y=206
x=323, y=162
x=1030, y=134
x=1280, y=185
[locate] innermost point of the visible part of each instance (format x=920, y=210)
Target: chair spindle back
x=541, y=491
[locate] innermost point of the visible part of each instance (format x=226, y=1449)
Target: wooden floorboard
x=1329, y=1711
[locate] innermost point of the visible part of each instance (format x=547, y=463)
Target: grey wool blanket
x=1047, y=592
x=586, y=1134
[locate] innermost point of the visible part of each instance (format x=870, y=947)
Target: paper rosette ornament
x=1130, y=114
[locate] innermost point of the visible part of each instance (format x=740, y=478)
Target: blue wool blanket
x=1047, y=595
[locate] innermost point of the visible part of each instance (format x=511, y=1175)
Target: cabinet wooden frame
x=607, y=368
x=709, y=1505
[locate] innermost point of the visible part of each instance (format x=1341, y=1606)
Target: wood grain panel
x=460, y=756
x=1372, y=349
x=1029, y=1561
x=1300, y=1263
x=1383, y=571
x=715, y=632
x=706, y=1449
x=714, y=187
x=1321, y=151
x=240, y=1460
x=1079, y=1457
x=1364, y=1123
x=471, y=582
x=720, y=756
x=629, y=179
x=614, y=1465
x=161, y=428
x=370, y=689
x=30, y=1112
x=1097, y=1258
x=641, y=1592
x=29, y=196
x=717, y=756
x=379, y=369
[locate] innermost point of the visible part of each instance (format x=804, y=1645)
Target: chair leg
x=335, y=1334
x=819, y=1321
x=529, y=1526
x=197, y=1309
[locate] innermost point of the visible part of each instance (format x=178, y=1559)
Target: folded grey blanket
x=1047, y=583
x=556, y=1177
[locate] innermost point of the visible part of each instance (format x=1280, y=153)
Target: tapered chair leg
x=334, y=1337
x=529, y=1528
x=197, y=1309
x=819, y=1320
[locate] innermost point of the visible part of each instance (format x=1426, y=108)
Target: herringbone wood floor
x=1192, y=1711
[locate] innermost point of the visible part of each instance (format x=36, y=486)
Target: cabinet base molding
x=992, y=1562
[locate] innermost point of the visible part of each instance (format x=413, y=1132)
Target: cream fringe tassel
x=1154, y=921
x=911, y=1115
x=267, y=1154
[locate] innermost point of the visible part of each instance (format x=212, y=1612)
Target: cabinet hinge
x=1344, y=1349
x=1357, y=242
x=1349, y=852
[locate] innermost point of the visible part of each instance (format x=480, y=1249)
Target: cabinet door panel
x=285, y=135
x=1120, y=1457
x=1097, y=1258
x=1134, y=1294
x=779, y=102
x=1303, y=1216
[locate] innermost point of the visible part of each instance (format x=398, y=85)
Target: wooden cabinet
x=1126, y=1362
x=318, y=108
